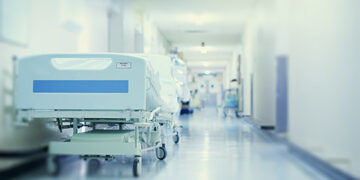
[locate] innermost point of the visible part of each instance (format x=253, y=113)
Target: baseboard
x=253, y=121
x=267, y=127
x=326, y=168
x=315, y=162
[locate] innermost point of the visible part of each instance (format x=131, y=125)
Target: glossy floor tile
x=211, y=147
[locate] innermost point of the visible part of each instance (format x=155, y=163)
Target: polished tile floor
x=211, y=147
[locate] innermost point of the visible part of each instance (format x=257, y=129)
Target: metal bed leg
x=136, y=136
x=75, y=126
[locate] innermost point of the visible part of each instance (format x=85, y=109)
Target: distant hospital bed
x=88, y=89
x=170, y=106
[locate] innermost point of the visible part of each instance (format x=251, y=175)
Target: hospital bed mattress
x=163, y=66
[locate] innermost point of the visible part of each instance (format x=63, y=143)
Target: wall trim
x=310, y=159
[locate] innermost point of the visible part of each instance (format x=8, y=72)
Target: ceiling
x=188, y=23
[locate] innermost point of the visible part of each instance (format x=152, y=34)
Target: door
x=281, y=94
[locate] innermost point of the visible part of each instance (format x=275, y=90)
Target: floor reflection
x=211, y=147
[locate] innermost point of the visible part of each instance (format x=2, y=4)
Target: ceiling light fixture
x=194, y=31
x=199, y=19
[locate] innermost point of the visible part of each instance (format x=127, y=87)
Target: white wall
x=324, y=88
x=321, y=39
x=154, y=41
x=122, y=24
x=259, y=61
x=56, y=26
x=53, y=29
x=127, y=24
x=247, y=62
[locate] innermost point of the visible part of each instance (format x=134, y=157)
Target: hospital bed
x=78, y=90
x=170, y=106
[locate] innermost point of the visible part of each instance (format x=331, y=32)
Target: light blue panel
x=80, y=86
x=41, y=68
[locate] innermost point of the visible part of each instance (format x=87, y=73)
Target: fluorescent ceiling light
x=203, y=50
x=199, y=19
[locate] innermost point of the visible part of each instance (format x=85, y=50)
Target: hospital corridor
x=188, y=89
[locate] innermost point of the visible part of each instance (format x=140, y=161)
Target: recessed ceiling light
x=203, y=50
x=199, y=19
x=195, y=31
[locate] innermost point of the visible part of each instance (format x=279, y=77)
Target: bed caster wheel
x=108, y=158
x=176, y=138
x=53, y=165
x=161, y=153
x=137, y=166
x=94, y=163
x=237, y=114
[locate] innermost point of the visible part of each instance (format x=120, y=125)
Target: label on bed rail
x=123, y=65
x=80, y=86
